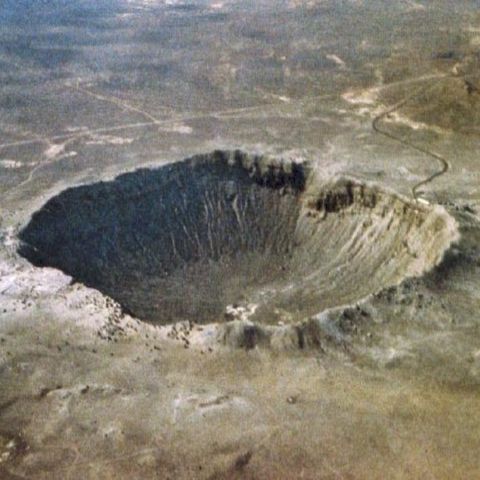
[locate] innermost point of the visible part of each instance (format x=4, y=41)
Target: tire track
x=114, y=101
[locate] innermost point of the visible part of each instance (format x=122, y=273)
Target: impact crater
x=196, y=239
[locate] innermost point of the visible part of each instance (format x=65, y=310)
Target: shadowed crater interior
x=190, y=239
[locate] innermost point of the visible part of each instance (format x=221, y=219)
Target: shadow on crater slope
x=186, y=240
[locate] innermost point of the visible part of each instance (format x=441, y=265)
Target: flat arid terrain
x=239, y=239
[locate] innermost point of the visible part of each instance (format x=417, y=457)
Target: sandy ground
x=88, y=92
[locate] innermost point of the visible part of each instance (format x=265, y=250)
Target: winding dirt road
x=376, y=125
